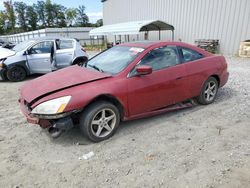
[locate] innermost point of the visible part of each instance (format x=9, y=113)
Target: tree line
x=20, y=17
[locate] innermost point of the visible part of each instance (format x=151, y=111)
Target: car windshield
x=22, y=45
x=115, y=59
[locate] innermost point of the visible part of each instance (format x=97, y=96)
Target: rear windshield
x=115, y=59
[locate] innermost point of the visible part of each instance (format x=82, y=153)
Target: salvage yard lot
x=203, y=146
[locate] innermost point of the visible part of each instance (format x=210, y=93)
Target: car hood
x=4, y=53
x=59, y=80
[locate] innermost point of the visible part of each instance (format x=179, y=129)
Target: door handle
x=178, y=78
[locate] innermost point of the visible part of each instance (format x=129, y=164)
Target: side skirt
x=186, y=104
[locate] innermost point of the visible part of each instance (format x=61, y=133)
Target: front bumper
x=61, y=121
x=29, y=117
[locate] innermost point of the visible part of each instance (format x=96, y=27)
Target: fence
x=81, y=33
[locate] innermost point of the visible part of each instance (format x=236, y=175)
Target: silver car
x=41, y=56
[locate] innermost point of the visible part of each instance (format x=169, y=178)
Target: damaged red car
x=128, y=81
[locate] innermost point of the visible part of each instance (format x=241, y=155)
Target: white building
x=81, y=33
x=225, y=20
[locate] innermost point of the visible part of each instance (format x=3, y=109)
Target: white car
x=41, y=56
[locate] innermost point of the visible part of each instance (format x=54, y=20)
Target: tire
x=16, y=74
x=95, y=122
x=209, y=91
x=4, y=75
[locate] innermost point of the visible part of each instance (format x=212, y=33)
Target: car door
x=39, y=57
x=64, y=52
x=166, y=85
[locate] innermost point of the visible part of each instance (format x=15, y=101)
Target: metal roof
x=130, y=28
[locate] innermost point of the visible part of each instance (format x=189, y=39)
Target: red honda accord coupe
x=128, y=81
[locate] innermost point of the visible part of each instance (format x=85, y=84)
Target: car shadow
x=224, y=94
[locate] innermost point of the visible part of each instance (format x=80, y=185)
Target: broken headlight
x=54, y=106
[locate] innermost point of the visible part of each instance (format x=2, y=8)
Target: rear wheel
x=16, y=74
x=209, y=91
x=100, y=121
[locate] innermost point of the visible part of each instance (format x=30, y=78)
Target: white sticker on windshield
x=136, y=50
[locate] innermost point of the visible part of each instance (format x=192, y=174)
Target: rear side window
x=190, y=55
x=65, y=44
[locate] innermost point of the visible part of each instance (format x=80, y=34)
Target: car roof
x=149, y=44
x=142, y=44
x=50, y=38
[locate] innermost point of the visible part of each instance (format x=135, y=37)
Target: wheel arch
x=109, y=98
x=84, y=58
x=212, y=75
x=21, y=64
x=217, y=78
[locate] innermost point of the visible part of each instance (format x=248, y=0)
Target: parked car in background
x=8, y=45
x=1, y=42
x=127, y=81
x=41, y=55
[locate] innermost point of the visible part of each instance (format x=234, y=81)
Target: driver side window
x=161, y=58
x=42, y=47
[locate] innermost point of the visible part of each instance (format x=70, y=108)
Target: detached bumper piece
x=60, y=126
x=64, y=124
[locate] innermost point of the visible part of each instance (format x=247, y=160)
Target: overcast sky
x=93, y=7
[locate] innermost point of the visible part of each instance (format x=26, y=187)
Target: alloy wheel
x=103, y=123
x=210, y=91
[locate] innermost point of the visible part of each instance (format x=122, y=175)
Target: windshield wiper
x=96, y=68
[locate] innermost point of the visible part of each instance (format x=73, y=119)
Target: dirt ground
x=203, y=146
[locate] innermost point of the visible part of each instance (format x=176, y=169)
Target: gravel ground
x=203, y=146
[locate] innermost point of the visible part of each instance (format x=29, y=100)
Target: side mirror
x=144, y=70
x=27, y=52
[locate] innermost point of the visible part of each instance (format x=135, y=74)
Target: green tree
x=71, y=14
x=3, y=17
x=59, y=16
x=20, y=9
x=40, y=9
x=32, y=17
x=10, y=13
x=49, y=13
x=82, y=18
x=99, y=23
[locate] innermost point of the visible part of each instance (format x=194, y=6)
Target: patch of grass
x=94, y=47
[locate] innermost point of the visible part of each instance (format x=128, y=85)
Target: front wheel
x=209, y=91
x=100, y=121
x=16, y=74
